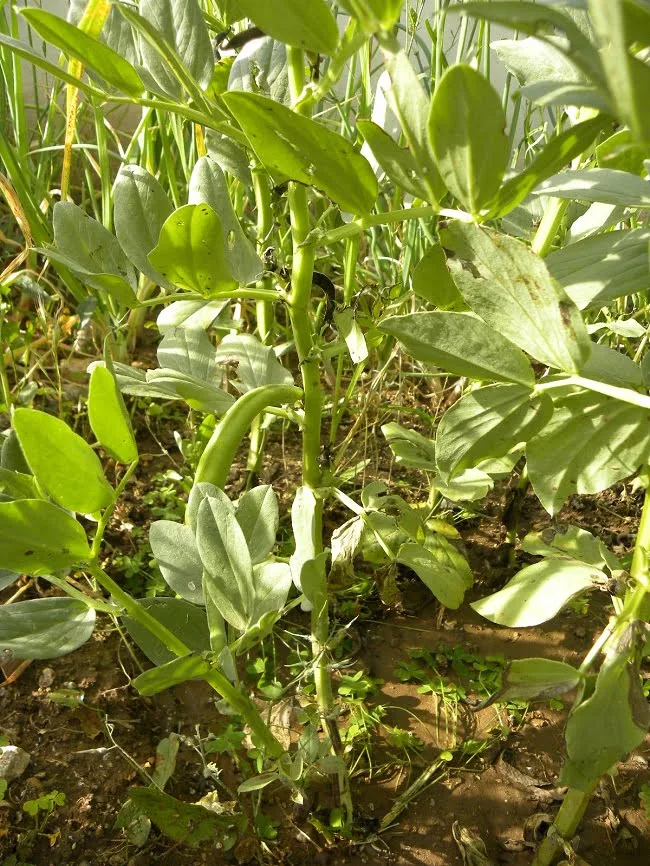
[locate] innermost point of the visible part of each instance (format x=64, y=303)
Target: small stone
x=46, y=678
x=13, y=762
x=580, y=632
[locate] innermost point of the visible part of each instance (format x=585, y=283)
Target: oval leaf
x=178, y=559
x=37, y=537
x=538, y=592
x=462, y=344
x=191, y=250
x=108, y=416
x=311, y=26
x=62, y=462
x=45, y=628
x=293, y=147
x=467, y=128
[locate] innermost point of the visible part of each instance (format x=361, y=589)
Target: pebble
x=46, y=678
x=13, y=762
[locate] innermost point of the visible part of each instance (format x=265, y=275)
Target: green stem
x=549, y=226
x=361, y=224
x=240, y=702
x=563, y=830
x=108, y=512
x=303, y=334
x=220, y=451
x=636, y=606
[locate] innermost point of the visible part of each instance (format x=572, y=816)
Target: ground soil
x=499, y=796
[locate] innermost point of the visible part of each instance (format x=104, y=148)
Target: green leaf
x=255, y=363
x=91, y=251
x=628, y=77
x=467, y=130
x=208, y=186
x=18, y=485
x=187, y=621
x=304, y=524
x=258, y=515
x=271, y=586
x=230, y=155
x=410, y=447
x=116, y=32
x=348, y=328
x=488, y=422
x=108, y=64
x=44, y=628
x=411, y=105
x=397, y=162
x=621, y=152
x=228, y=570
x=190, y=315
x=609, y=724
x=538, y=592
x=182, y=822
x=533, y=19
x=199, y=492
x=515, y=295
x=11, y=456
x=191, y=250
x=311, y=27
x=533, y=61
x=573, y=543
x=608, y=365
x=178, y=559
x=598, y=184
x=443, y=569
x=181, y=25
x=293, y=147
x=108, y=416
x=37, y=537
x=536, y=679
x=174, y=672
x=7, y=577
x=140, y=208
x=601, y=268
x=62, y=462
x=461, y=344
x=261, y=67
x=375, y=15
x=560, y=150
x=591, y=442
x=470, y=485
x=433, y=282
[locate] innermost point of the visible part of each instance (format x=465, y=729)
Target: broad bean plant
x=526, y=290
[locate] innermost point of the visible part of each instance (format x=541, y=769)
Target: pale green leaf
x=261, y=67
x=515, y=295
x=410, y=447
x=601, y=268
x=538, y=592
x=258, y=515
x=44, y=628
x=433, y=282
x=181, y=24
x=598, y=184
x=140, y=208
x=255, y=363
x=537, y=679
x=488, y=422
x=178, y=559
x=461, y=344
x=591, y=442
x=397, y=162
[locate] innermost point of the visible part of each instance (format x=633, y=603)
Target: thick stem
x=635, y=607
x=240, y=702
x=303, y=334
